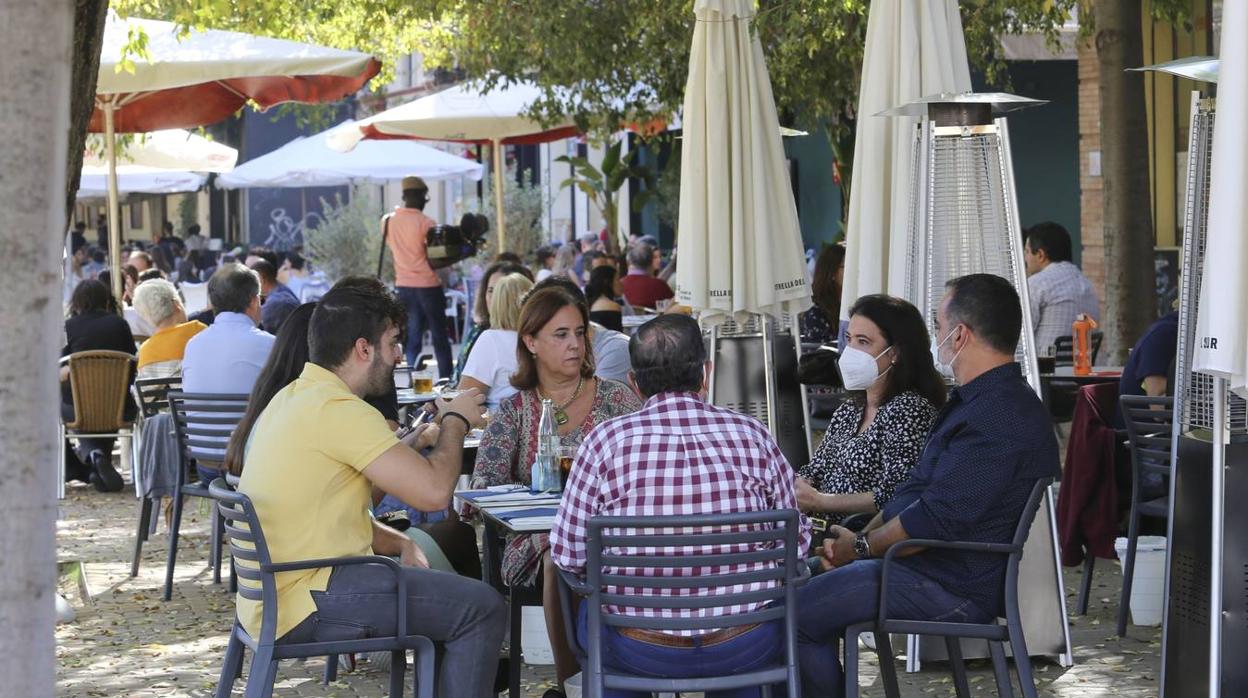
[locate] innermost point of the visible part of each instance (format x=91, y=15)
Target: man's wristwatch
x=862, y=547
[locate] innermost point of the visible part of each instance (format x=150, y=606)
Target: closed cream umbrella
x=740, y=245
x=913, y=50
x=1221, y=340
x=201, y=78
x=465, y=114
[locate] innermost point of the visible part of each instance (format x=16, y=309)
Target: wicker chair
x=99, y=380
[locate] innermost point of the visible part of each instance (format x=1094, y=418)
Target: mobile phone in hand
x=414, y=419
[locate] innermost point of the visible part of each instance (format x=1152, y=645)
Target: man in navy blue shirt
x=1150, y=366
x=990, y=444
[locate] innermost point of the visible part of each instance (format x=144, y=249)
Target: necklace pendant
x=561, y=417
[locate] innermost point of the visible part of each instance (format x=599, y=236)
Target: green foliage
x=188, y=210
x=667, y=191
x=526, y=204
x=629, y=58
x=602, y=184
x=601, y=62
x=388, y=29
x=348, y=241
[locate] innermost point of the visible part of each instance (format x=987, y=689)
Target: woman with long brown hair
x=556, y=362
x=822, y=322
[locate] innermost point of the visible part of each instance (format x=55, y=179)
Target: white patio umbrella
x=913, y=49
x=740, y=245
x=202, y=78
x=171, y=149
x=310, y=162
x=463, y=114
x=136, y=179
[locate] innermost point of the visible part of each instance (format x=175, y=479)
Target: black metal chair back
x=203, y=423
x=152, y=394
x=654, y=549
x=1148, y=421
x=152, y=397
x=257, y=582
x=1064, y=347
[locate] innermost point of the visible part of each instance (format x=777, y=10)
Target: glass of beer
x=422, y=381
x=567, y=454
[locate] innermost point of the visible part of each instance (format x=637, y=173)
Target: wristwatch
x=862, y=548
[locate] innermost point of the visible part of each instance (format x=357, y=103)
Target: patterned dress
x=509, y=447
x=817, y=327
x=879, y=459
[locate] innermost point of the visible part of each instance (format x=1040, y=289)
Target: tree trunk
x=85, y=66
x=1129, y=285
x=35, y=81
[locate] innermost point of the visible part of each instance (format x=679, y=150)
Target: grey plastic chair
x=247, y=543
x=152, y=397
x=201, y=436
x=995, y=633
x=609, y=535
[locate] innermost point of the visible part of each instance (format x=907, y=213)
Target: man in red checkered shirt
x=677, y=456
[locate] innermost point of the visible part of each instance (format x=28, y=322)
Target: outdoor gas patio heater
x=964, y=220
x=773, y=395
x=1204, y=590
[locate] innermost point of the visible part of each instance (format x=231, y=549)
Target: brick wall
x=1091, y=201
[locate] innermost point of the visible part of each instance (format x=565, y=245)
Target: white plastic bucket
x=572, y=687
x=1148, y=582
x=534, y=641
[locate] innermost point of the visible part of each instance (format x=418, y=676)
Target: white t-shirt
x=492, y=361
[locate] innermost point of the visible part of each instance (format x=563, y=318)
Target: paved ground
x=127, y=642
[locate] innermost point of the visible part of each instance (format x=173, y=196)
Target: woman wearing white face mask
x=875, y=438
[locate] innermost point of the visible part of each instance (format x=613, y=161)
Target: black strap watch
x=862, y=547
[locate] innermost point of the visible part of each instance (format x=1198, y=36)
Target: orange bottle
x=1082, y=328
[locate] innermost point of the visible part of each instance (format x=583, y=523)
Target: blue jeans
x=744, y=653
x=851, y=594
x=465, y=617
x=426, y=310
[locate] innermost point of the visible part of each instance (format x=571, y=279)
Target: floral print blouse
x=877, y=460
x=509, y=447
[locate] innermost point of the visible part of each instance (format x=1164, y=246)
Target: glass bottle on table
x=545, y=472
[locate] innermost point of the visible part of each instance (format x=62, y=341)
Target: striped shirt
x=1059, y=293
x=677, y=456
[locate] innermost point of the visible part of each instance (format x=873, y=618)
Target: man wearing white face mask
x=874, y=439
x=988, y=447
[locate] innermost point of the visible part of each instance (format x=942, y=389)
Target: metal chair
x=257, y=583
x=995, y=633
x=99, y=381
x=203, y=423
x=459, y=319
x=1148, y=421
x=616, y=543
x=152, y=397
x=1064, y=347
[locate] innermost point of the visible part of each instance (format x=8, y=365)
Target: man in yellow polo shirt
x=316, y=452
